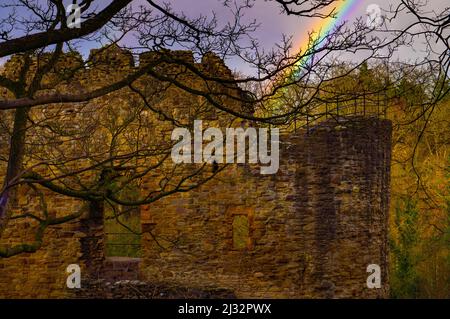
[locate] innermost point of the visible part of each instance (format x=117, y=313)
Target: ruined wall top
x=121, y=59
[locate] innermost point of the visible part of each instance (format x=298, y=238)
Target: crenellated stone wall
x=308, y=231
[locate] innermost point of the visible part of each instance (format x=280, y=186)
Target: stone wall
x=313, y=227
x=310, y=230
x=41, y=274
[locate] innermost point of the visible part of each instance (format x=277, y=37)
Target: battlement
x=122, y=60
x=310, y=230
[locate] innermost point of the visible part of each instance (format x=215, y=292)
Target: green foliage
x=420, y=256
x=445, y=239
x=404, y=280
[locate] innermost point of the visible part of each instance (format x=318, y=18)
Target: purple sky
x=273, y=24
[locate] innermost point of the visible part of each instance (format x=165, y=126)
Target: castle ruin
x=308, y=231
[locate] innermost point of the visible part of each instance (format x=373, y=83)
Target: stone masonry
x=309, y=231
x=313, y=227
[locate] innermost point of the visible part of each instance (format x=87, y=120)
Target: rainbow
x=323, y=27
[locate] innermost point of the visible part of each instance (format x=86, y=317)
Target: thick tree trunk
x=15, y=166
